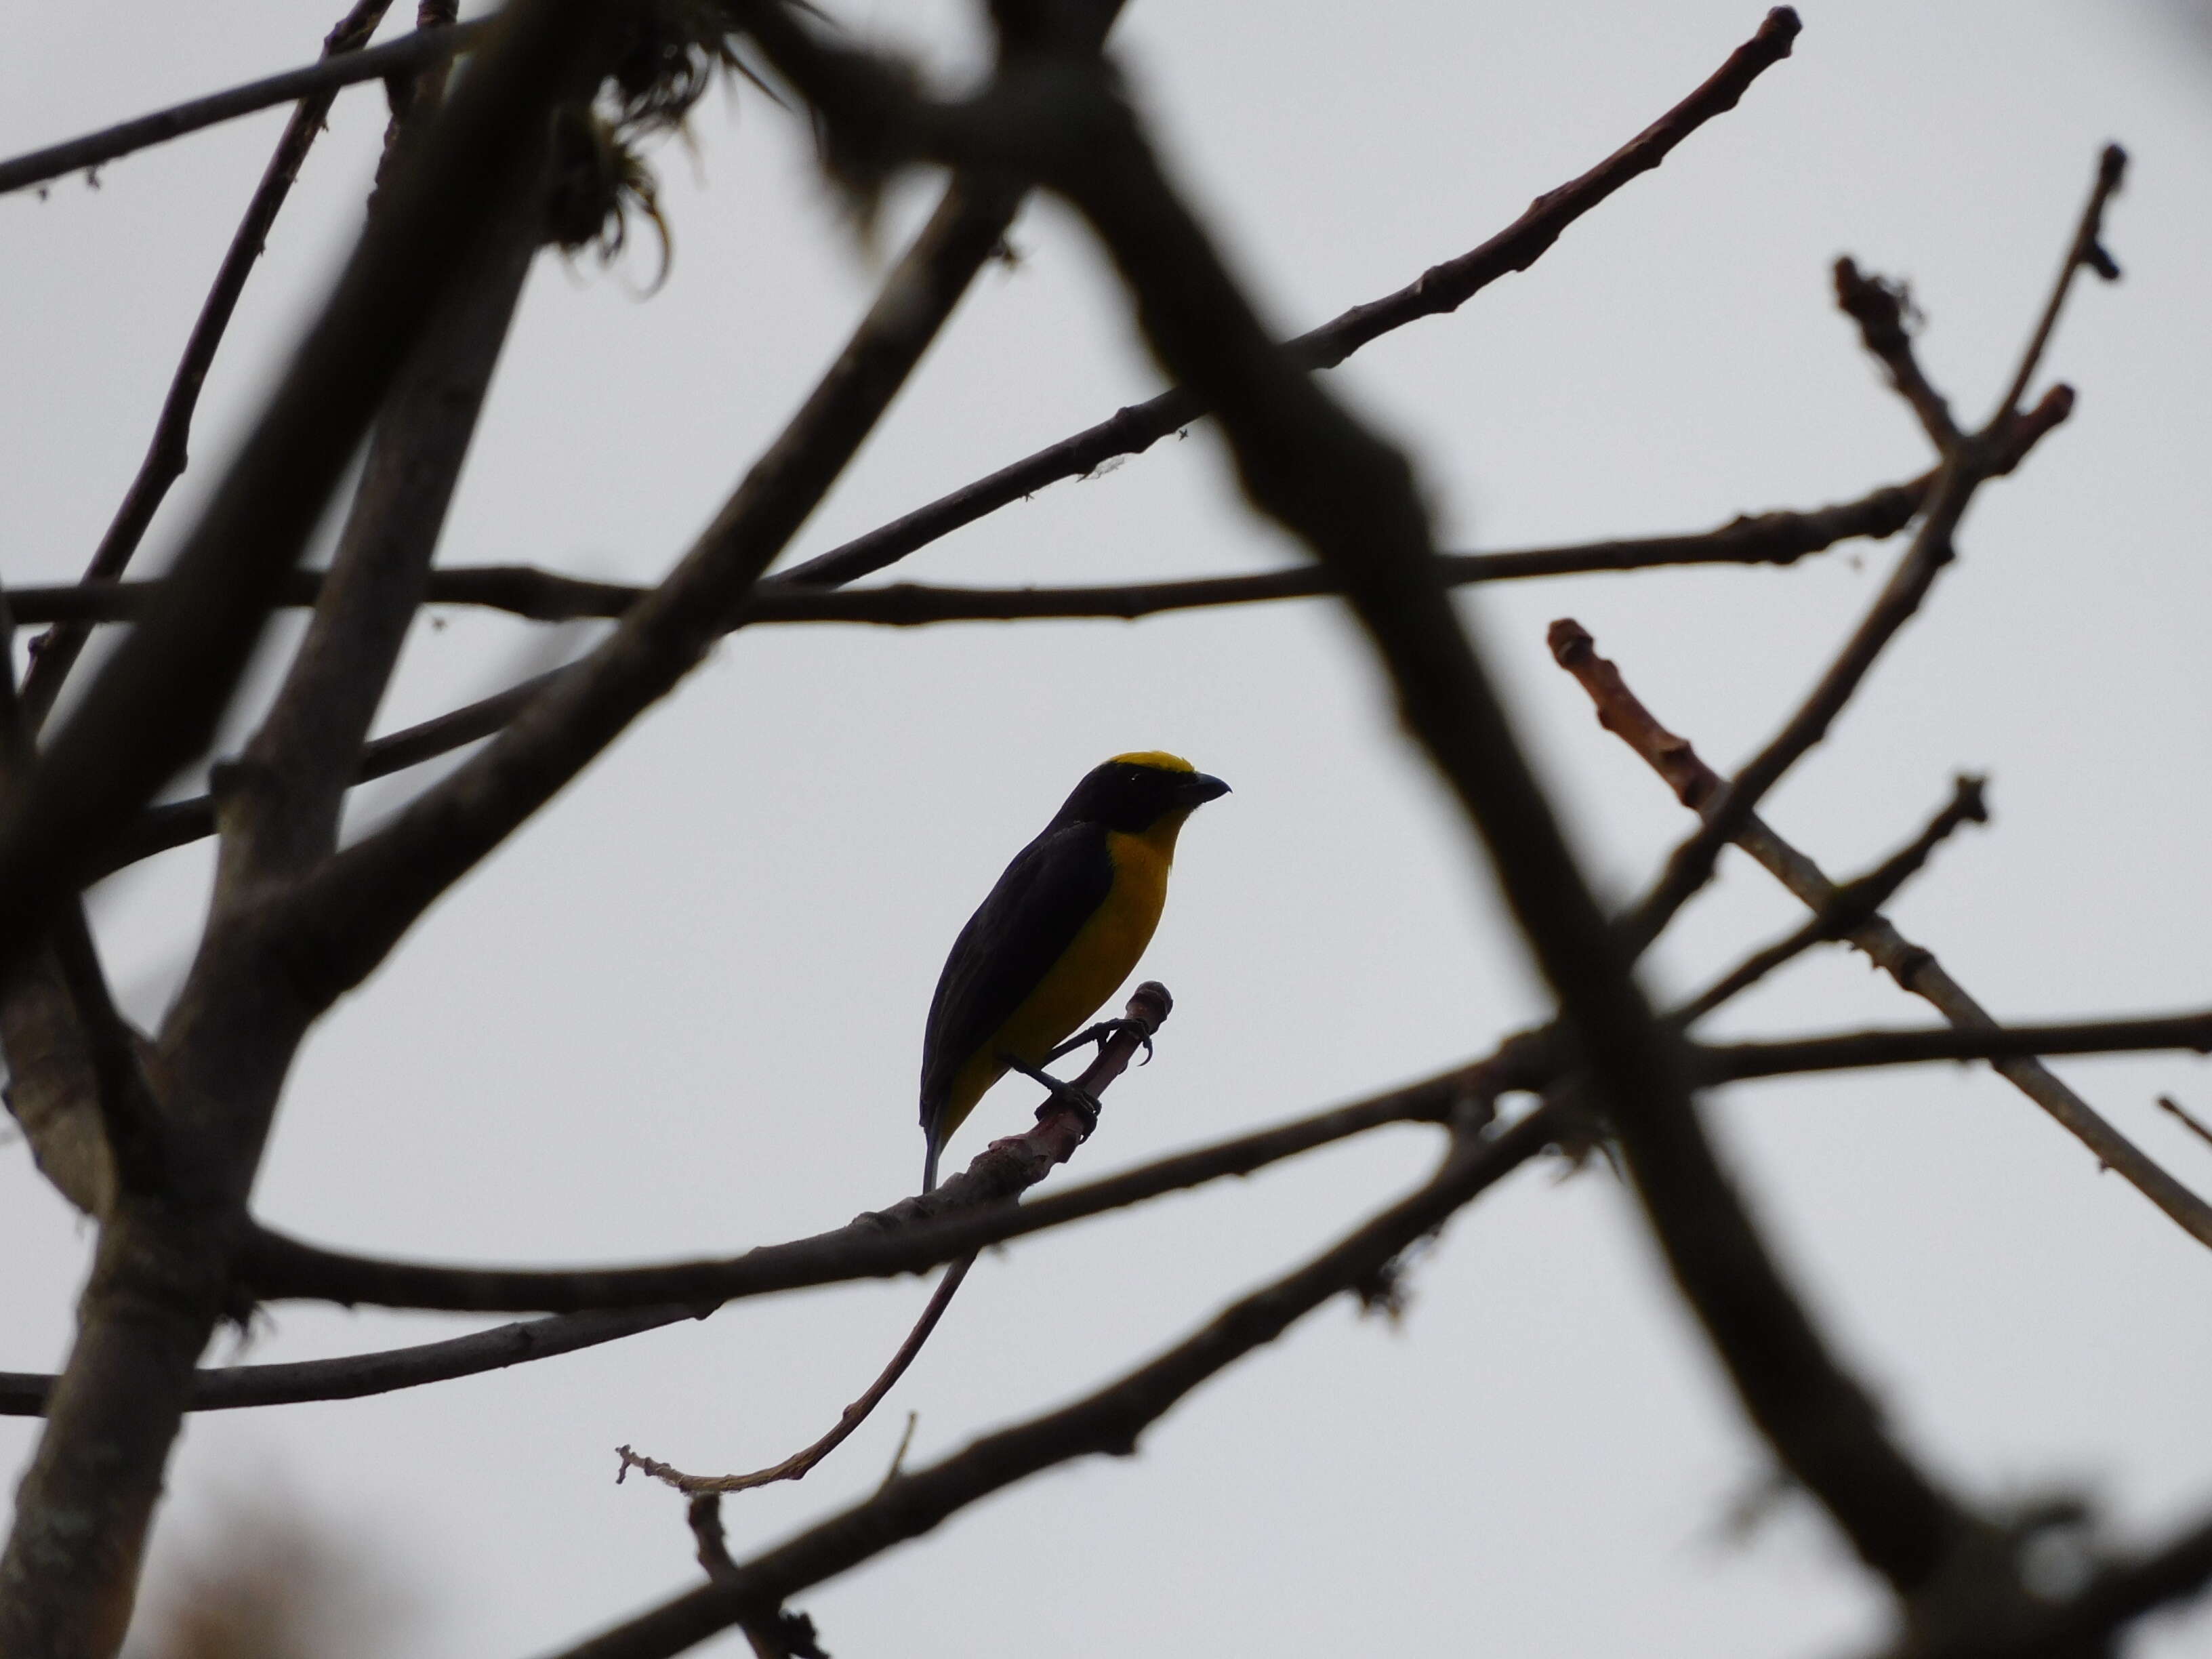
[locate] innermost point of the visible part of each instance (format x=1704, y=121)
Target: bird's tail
x=929, y=1166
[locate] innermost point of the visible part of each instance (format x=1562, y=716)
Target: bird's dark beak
x=1200, y=788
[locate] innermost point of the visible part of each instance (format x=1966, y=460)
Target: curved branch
x=354, y=1376
x=912, y=1236
x=404, y=56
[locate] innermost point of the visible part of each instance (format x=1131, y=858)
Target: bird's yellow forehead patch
x=1159, y=758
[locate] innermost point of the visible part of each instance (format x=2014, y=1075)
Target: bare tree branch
x=74, y=1083
x=1108, y=1422
x=344, y=918
x=281, y=795
x=1878, y=311
x=1439, y=291
x=1779, y=537
x=1855, y=904
x=1851, y=1050
x=1770, y=538
x=1912, y=966
x=1306, y=464
x=964, y=1214
x=1147, y=1009
x=162, y=1274
x=168, y=451
x=401, y=57
x=2085, y=1622
x=356, y=1376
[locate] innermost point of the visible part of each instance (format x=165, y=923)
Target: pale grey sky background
x=681, y=1013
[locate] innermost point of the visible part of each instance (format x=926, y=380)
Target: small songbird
x=1056, y=936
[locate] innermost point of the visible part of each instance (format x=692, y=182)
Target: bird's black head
x=1132, y=792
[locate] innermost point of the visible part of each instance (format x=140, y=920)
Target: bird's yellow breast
x=1096, y=962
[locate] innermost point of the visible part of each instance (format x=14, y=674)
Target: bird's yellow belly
x=1088, y=971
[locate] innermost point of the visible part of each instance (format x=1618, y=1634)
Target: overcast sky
x=681, y=1013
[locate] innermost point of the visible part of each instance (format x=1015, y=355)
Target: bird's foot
x=1104, y=1033
x=1082, y=1104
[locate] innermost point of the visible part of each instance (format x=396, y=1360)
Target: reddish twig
x=1913, y=967
x=1061, y=1128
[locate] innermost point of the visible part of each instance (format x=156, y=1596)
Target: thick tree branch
x=401, y=57
x=162, y=1275
x=282, y=794
x=168, y=451
x=74, y=1082
x=963, y=1215
x=1912, y=966
x=1108, y=1422
x=157, y=699
x=344, y=919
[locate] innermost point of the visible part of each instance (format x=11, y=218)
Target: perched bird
x=1056, y=936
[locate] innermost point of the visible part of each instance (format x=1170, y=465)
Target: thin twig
x=2088, y=250
x=1855, y=904
x=1438, y=291
x=401, y=57
x=1851, y=1050
x=168, y=450
x=1913, y=967
x=2189, y=1120
x=1766, y=538
x=356, y=1376
x=1880, y=308
x=802, y=1463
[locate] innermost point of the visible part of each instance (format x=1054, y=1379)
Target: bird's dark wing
x=1009, y=944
